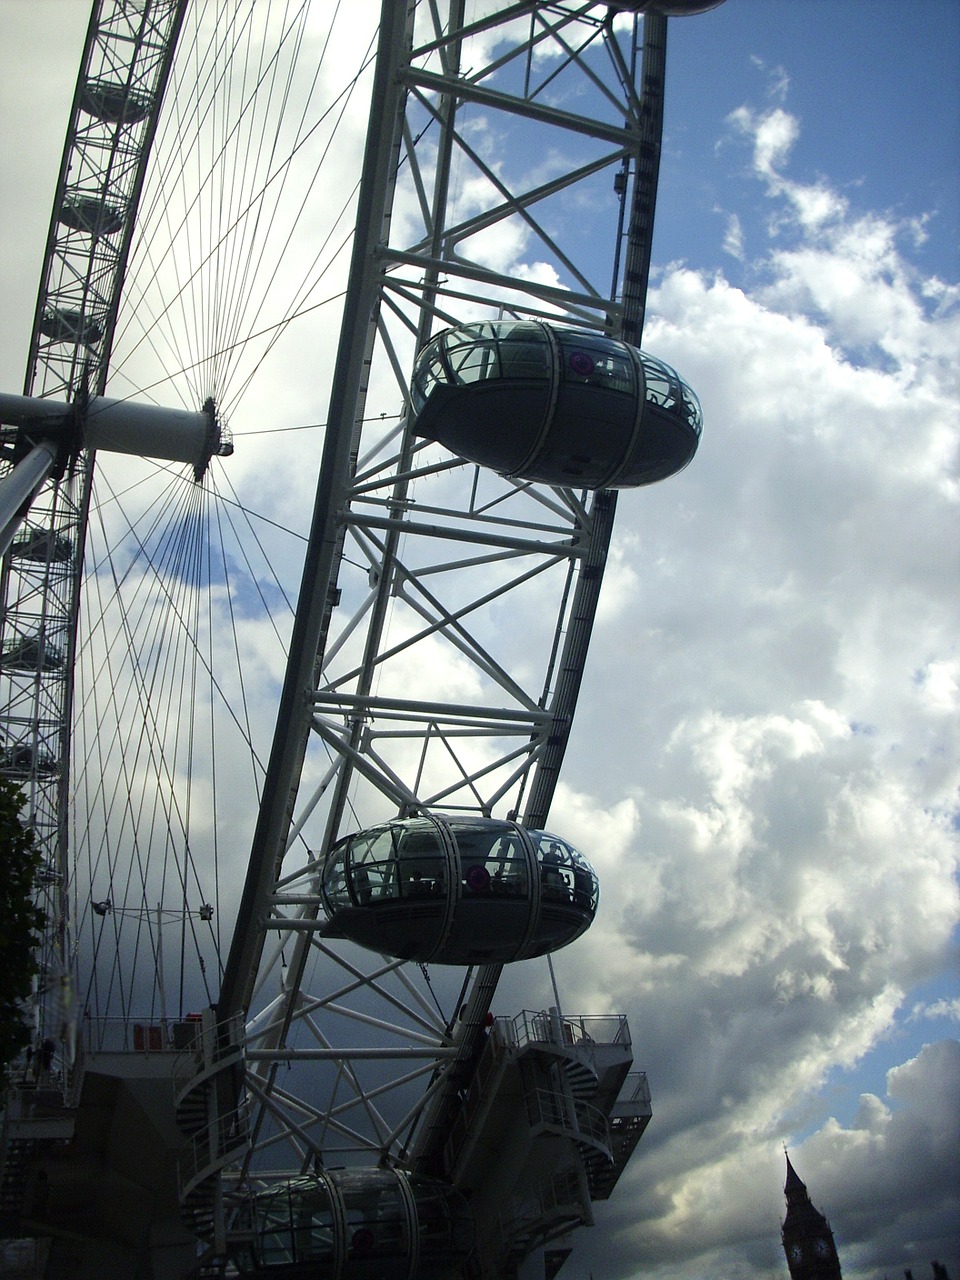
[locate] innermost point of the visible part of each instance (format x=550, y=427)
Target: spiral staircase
x=545, y=1127
x=208, y=1100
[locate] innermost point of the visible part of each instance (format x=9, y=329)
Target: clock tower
x=807, y=1238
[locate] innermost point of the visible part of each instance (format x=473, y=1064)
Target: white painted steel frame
x=131, y=48
x=402, y=528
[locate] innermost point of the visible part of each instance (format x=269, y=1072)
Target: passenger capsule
x=669, y=8
x=30, y=653
x=355, y=1224
x=42, y=545
x=555, y=404
x=456, y=889
x=114, y=103
x=91, y=214
x=66, y=325
x=19, y=758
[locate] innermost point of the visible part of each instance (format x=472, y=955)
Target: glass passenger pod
x=114, y=103
x=555, y=404
x=18, y=759
x=91, y=214
x=369, y=1224
x=64, y=324
x=669, y=8
x=31, y=654
x=42, y=546
x=457, y=889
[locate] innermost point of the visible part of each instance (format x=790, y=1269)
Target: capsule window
x=524, y=352
x=335, y=891
x=556, y=872
x=444, y=1223
x=295, y=1226
x=421, y=865
x=590, y=360
x=664, y=387
x=691, y=404
x=471, y=354
x=492, y=862
x=366, y=1231
x=507, y=863
x=482, y=351
x=429, y=371
x=376, y=1218
x=473, y=361
x=565, y=875
x=372, y=867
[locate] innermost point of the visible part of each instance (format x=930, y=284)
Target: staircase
x=552, y=1208
x=36, y=1123
x=575, y=1102
x=580, y=1077
x=15, y=1165
x=629, y=1118
x=210, y=1112
x=548, y=1120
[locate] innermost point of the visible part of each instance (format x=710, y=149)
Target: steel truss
x=408, y=688
x=417, y=561
x=126, y=62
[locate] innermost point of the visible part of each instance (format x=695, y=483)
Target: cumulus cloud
x=938, y=1009
x=886, y=1182
x=889, y=1178
x=785, y=872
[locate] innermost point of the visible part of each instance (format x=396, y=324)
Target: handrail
x=119, y=1034
x=205, y=1056
x=578, y=1119
x=636, y=1088
x=210, y=1148
x=115, y=1034
x=555, y=1198
x=565, y=1030
x=540, y=1028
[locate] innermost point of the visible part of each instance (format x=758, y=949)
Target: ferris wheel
x=443, y=335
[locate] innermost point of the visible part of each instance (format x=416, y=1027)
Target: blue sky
x=874, y=85
x=875, y=90
x=774, y=815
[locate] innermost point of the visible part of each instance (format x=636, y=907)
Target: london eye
x=310, y=259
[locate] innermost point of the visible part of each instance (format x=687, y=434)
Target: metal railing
x=563, y=1030
x=219, y=1143
x=214, y=1047
x=529, y=1028
x=127, y=1035
x=556, y=1203
x=578, y=1120
x=635, y=1094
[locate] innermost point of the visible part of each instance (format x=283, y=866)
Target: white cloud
x=764, y=766
x=888, y=1182
x=773, y=134
x=794, y=758
x=733, y=238
x=937, y=1009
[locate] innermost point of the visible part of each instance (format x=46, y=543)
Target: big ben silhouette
x=807, y=1238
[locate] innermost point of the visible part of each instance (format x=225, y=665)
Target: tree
x=20, y=921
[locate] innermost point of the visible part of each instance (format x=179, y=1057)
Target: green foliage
x=20, y=921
